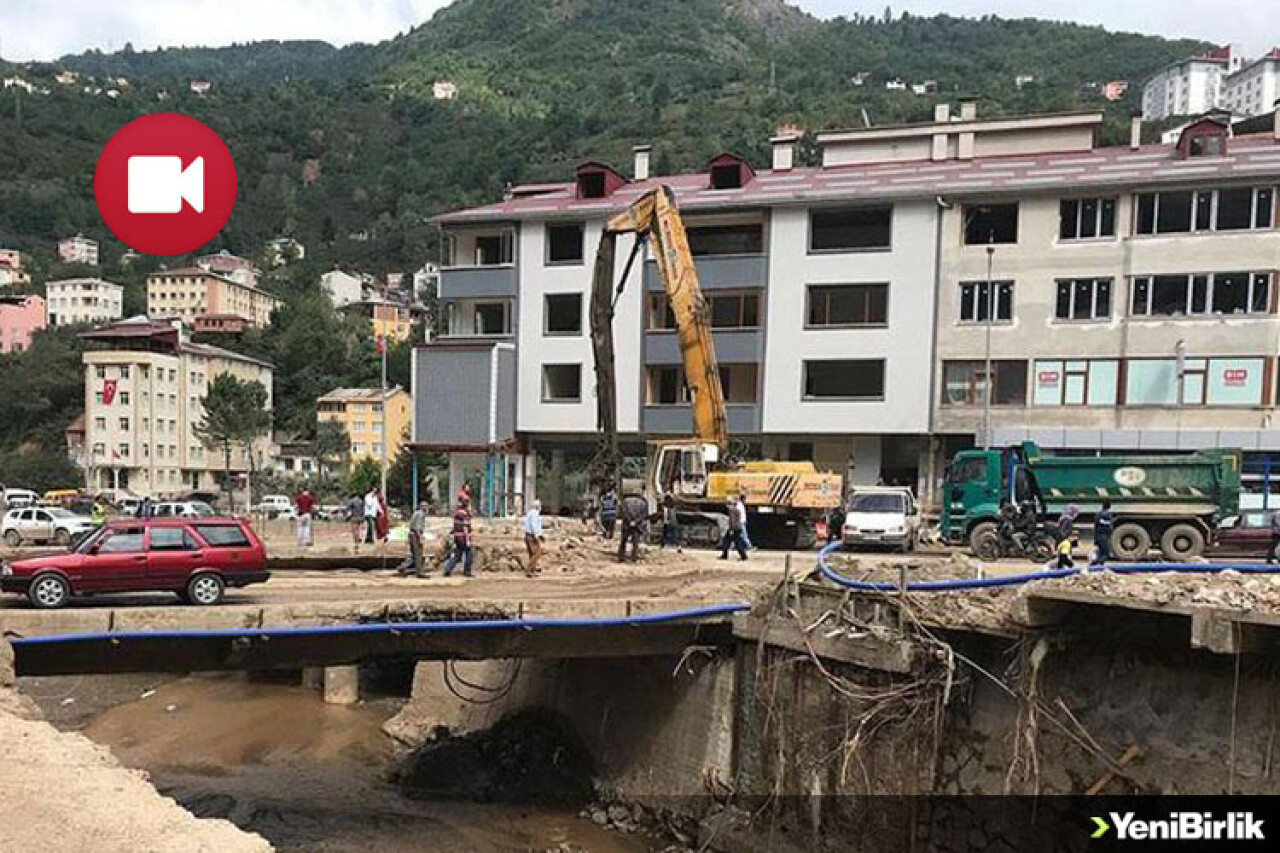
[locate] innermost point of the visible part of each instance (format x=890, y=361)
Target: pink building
x=19, y=317
x=1115, y=90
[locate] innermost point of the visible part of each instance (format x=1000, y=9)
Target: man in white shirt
x=533, y=536
x=371, y=516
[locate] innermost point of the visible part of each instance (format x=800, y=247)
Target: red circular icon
x=165, y=184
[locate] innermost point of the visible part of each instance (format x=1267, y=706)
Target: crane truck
x=784, y=499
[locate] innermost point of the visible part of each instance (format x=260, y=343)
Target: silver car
x=43, y=524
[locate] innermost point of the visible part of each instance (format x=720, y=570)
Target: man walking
x=734, y=537
x=671, y=523
x=305, y=505
x=462, y=546
x=533, y=537
x=608, y=513
x=635, y=517
x=371, y=508
x=1103, y=526
x=417, y=529
x=355, y=518
x=1275, y=536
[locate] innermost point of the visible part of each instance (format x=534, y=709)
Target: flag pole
x=382, y=347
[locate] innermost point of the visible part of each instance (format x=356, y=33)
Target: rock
x=618, y=813
x=600, y=817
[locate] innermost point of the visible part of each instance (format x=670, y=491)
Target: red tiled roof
x=1101, y=168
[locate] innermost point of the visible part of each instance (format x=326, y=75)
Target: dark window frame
x=806, y=380
x=1204, y=211
x=972, y=232
x=997, y=287
x=825, y=291
x=544, y=383
x=1200, y=294
x=886, y=210
x=1094, y=284
x=547, y=331
x=660, y=319
x=549, y=242
x=1003, y=368
x=1103, y=215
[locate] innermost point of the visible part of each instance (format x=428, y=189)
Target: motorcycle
x=1038, y=545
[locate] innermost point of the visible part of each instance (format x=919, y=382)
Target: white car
x=43, y=524
x=19, y=498
x=884, y=515
x=182, y=509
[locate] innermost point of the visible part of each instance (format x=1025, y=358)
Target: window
x=1083, y=299
x=1234, y=209
x=493, y=318
x=969, y=470
x=990, y=223
x=101, y=371
x=124, y=398
x=561, y=383
x=844, y=305
x=850, y=229
x=711, y=240
x=562, y=314
x=123, y=449
x=964, y=383
x=845, y=379
x=171, y=538
x=1078, y=382
x=124, y=424
x=727, y=310
x=665, y=386
x=564, y=243
x=99, y=423
x=1087, y=218
x=494, y=249
x=126, y=540
x=982, y=301
x=1216, y=293
x=223, y=535
x=726, y=176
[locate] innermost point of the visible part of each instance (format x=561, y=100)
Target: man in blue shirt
x=1103, y=526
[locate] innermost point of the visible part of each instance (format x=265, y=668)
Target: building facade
x=84, y=300
x=359, y=412
x=190, y=292
x=342, y=288
x=78, y=250
x=1254, y=89
x=390, y=320
x=1218, y=80
x=11, y=271
x=144, y=390
x=20, y=318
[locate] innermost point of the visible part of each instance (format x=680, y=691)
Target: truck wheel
x=1182, y=542
x=1131, y=542
x=980, y=532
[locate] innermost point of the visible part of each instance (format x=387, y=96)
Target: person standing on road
x=735, y=536
x=671, y=523
x=355, y=518
x=383, y=522
x=1275, y=537
x=1104, y=524
x=305, y=504
x=533, y=537
x=635, y=517
x=462, y=545
x=608, y=513
x=417, y=530
x=370, y=513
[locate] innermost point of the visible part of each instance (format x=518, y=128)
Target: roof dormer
x=597, y=180
x=1205, y=137
x=730, y=172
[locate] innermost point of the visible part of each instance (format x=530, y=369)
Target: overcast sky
x=46, y=29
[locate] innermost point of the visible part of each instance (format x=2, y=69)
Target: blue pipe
x=393, y=627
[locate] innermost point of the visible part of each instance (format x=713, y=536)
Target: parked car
x=195, y=558
x=275, y=506
x=1245, y=535
x=182, y=509
x=43, y=524
x=883, y=516
x=18, y=498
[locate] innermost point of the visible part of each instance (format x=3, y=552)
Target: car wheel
x=205, y=589
x=12, y=538
x=49, y=591
x=62, y=536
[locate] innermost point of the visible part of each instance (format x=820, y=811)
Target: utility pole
x=987, y=377
x=382, y=349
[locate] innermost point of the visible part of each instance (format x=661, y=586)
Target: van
x=20, y=498
x=885, y=516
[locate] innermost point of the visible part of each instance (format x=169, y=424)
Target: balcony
x=733, y=346
x=479, y=282
x=744, y=419
x=720, y=271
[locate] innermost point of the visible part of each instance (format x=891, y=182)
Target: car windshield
x=89, y=541
x=876, y=503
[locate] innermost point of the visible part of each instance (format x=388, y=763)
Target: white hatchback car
x=43, y=524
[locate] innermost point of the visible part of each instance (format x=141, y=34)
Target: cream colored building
x=190, y=292
x=359, y=412
x=84, y=300
x=78, y=250
x=144, y=388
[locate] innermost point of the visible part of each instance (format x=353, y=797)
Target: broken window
x=990, y=223
x=708, y=240
x=561, y=383
x=563, y=314
x=844, y=379
x=837, y=305
x=564, y=243
x=850, y=229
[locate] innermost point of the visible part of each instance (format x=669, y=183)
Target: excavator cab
x=680, y=467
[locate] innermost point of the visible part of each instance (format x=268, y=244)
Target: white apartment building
x=1254, y=89
x=83, y=300
x=1192, y=86
x=78, y=250
x=144, y=383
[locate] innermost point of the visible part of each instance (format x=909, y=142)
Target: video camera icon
x=159, y=184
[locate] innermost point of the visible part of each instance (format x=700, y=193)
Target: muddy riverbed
x=275, y=760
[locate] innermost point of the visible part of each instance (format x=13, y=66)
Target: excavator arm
x=655, y=218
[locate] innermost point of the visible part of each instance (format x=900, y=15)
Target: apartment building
x=1190, y=87
x=78, y=250
x=342, y=288
x=390, y=320
x=11, y=270
x=84, y=300
x=1254, y=89
x=359, y=412
x=144, y=387
x=190, y=292
x=20, y=318
x=238, y=269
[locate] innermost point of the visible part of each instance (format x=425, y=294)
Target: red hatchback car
x=196, y=558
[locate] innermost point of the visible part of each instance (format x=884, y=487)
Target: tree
x=235, y=412
x=331, y=444
x=366, y=474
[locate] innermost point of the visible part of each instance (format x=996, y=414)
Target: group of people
x=633, y=511
x=1104, y=524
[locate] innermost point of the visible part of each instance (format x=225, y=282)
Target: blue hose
x=393, y=627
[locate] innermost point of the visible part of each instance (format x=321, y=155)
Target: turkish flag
x=380, y=341
x=109, y=390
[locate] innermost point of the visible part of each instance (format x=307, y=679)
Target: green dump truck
x=1173, y=501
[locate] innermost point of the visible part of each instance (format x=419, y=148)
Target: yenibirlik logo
x=1182, y=826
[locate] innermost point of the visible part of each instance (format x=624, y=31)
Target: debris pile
x=1226, y=590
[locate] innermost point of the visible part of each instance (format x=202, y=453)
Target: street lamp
x=987, y=378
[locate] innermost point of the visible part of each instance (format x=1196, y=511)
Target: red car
x=197, y=558
x=1245, y=535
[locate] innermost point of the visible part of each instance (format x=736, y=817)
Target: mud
x=569, y=547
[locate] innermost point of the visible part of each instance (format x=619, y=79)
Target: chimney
x=1275, y=121
x=941, y=113
x=641, y=170
x=1135, y=130
x=784, y=150
x=968, y=108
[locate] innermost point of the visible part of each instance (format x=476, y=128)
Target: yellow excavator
x=784, y=499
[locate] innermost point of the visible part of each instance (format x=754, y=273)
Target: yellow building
x=389, y=319
x=190, y=292
x=359, y=411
